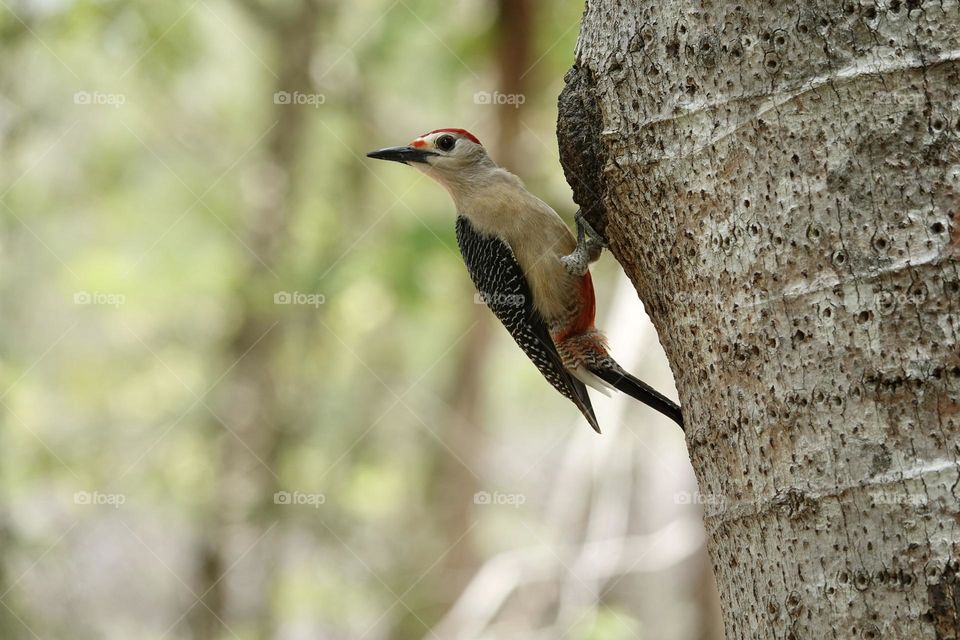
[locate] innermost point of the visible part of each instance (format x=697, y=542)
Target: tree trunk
x=779, y=180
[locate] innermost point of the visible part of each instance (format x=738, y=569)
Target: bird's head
x=449, y=156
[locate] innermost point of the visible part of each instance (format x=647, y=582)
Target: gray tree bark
x=780, y=182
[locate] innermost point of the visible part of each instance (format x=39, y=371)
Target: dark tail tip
x=594, y=424
x=623, y=381
x=587, y=410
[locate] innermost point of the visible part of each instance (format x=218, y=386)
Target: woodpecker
x=528, y=268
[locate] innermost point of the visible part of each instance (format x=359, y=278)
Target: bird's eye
x=445, y=143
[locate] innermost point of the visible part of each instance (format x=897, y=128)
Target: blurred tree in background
x=245, y=391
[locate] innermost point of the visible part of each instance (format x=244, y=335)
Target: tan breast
x=538, y=238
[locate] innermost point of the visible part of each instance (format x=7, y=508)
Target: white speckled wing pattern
x=503, y=287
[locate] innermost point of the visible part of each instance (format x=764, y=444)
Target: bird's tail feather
x=581, y=398
x=621, y=380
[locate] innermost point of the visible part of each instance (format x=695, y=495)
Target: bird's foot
x=588, y=235
x=589, y=246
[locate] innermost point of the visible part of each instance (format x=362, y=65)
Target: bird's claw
x=585, y=228
x=589, y=246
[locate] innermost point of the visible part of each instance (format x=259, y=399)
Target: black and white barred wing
x=503, y=287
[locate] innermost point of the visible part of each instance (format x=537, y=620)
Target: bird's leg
x=589, y=246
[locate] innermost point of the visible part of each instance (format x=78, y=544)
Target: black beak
x=406, y=155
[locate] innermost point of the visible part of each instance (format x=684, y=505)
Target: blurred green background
x=245, y=388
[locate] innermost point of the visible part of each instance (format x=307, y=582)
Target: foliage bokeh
x=158, y=396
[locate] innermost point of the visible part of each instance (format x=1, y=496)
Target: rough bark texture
x=779, y=179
